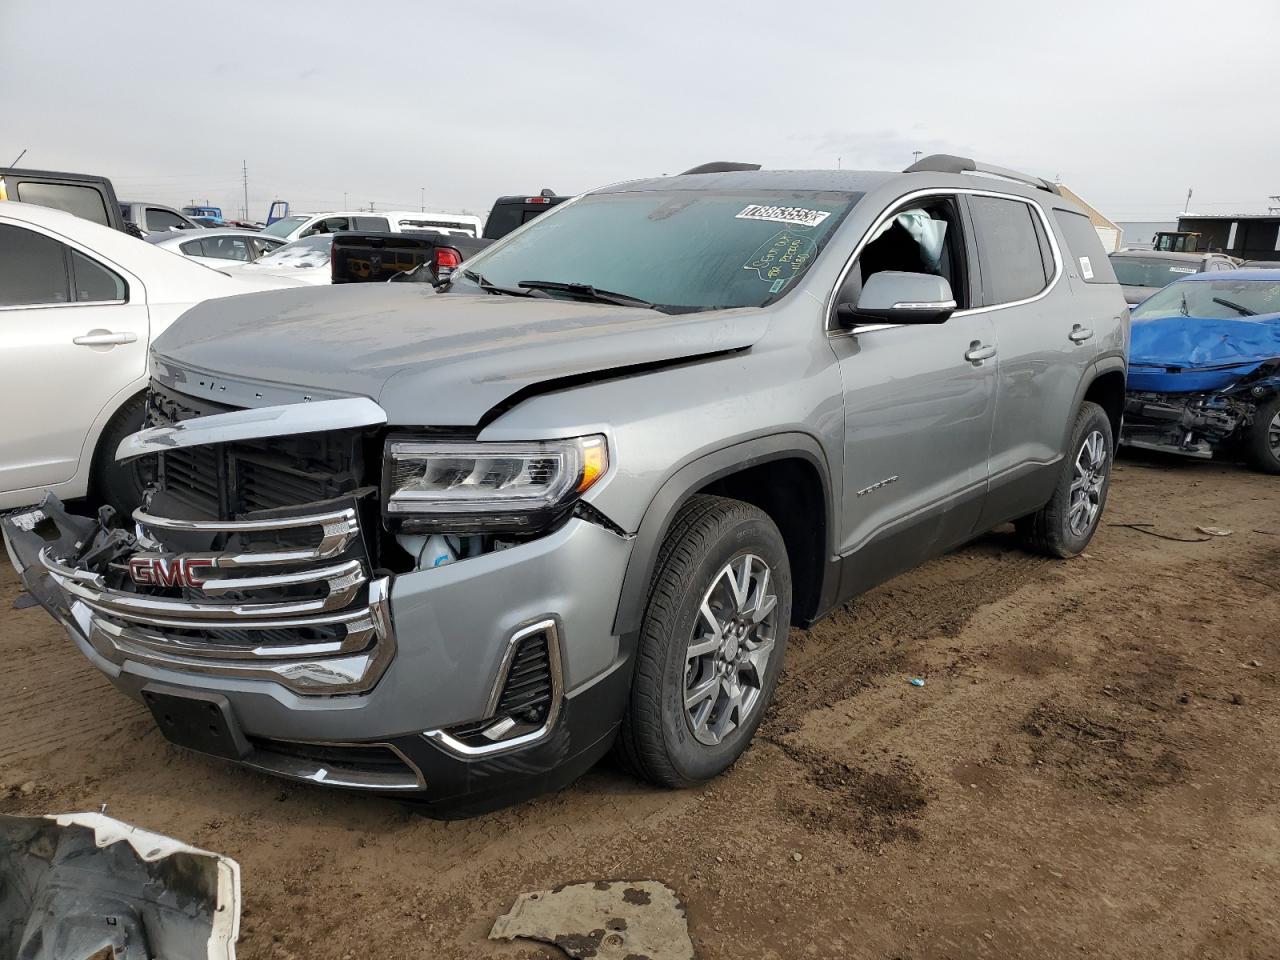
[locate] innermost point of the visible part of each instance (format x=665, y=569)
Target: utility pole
x=838, y=161
x=371, y=206
x=244, y=169
x=422, y=200
x=1186, y=207
x=915, y=155
x=344, y=199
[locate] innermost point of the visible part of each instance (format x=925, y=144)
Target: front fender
x=688, y=480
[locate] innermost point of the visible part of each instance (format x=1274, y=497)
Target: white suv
x=79, y=306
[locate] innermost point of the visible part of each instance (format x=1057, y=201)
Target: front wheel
x=1262, y=441
x=1064, y=526
x=710, y=645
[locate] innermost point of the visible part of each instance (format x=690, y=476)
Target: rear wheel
x=711, y=643
x=121, y=484
x=1262, y=441
x=1064, y=526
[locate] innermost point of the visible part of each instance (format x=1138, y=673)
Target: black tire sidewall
x=119, y=484
x=1092, y=417
x=693, y=760
x=1258, y=443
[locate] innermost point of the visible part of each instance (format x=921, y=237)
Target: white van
x=395, y=221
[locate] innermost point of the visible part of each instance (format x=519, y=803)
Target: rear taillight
x=447, y=260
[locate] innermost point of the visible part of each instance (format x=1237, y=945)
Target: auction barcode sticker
x=797, y=215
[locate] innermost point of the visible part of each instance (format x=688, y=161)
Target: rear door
x=1045, y=346
x=73, y=334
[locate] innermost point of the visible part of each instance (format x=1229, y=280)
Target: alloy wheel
x=733, y=639
x=1273, y=436
x=1087, y=480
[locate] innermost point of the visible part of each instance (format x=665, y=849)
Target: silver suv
x=457, y=543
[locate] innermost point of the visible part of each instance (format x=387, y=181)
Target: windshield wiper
x=586, y=291
x=488, y=287
x=1185, y=311
x=1243, y=311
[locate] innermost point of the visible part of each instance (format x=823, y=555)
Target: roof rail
x=721, y=166
x=946, y=163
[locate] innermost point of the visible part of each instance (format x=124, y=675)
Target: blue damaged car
x=1204, y=369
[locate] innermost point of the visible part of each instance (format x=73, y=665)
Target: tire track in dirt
x=865, y=638
x=51, y=679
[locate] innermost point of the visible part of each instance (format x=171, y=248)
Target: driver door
x=919, y=404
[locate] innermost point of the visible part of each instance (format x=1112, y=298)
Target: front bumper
x=420, y=655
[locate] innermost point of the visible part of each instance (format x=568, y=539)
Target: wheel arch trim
x=676, y=490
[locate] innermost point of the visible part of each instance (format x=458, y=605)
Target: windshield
x=681, y=250
x=282, y=228
x=1151, y=271
x=308, y=252
x=1213, y=299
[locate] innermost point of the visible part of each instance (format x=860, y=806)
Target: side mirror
x=893, y=296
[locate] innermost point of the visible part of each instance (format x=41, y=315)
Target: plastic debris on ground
x=602, y=920
x=917, y=681
x=83, y=886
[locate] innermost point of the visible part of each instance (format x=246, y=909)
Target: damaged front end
x=1198, y=424
x=88, y=887
x=248, y=602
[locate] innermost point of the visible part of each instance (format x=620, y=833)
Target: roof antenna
x=20, y=156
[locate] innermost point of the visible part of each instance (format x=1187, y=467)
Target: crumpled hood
x=432, y=359
x=1170, y=354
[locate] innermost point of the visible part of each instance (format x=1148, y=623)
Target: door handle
x=104, y=338
x=1080, y=334
x=979, y=351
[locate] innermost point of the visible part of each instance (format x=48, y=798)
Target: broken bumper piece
x=84, y=886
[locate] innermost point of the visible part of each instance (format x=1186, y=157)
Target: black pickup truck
x=82, y=194
x=423, y=257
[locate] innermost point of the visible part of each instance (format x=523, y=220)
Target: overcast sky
x=1129, y=103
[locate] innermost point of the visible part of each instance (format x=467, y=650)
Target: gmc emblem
x=168, y=571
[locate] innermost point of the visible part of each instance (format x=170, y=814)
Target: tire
x=1262, y=440
x=661, y=739
x=1056, y=529
x=120, y=484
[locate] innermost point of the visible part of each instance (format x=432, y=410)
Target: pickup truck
x=456, y=545
x=422, y=257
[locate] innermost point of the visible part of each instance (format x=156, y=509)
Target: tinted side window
x=1085, y=249
x=94, y=283
x=1009, y=248
x=192, y=248
x=370, y=223
x=158, y=219
x=84, y=202
x=33, y=268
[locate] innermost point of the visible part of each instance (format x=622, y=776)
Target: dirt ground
x=1091, y=770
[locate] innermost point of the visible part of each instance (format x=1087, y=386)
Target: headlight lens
x=489, y=486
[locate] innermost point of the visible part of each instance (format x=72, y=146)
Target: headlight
x=488, y=487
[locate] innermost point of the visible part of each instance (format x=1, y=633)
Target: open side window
x=923, y=236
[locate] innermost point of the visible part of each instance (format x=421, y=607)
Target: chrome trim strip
x=312, y=675
x=338, y=529
x=254, y=424
x=551, y=628
x=334, y=775
x=835, y=330
x=359, y=633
